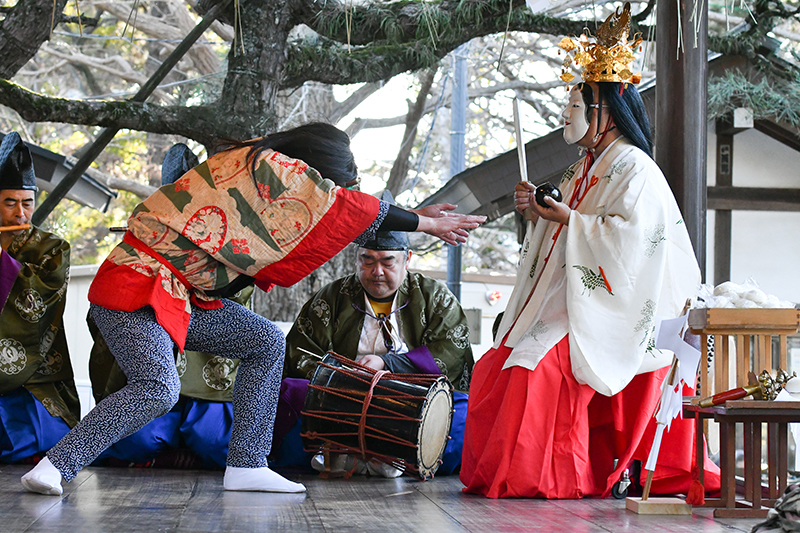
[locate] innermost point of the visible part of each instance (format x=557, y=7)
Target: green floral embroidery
x=592, y=280
x=533, y=266
x=651, y=344
x=616, y=168
x=537, y=329
x=568, y=174
x=646, y=322
x=442, y=300
x=304, y=326
x=466, y=377
x=652, y=238
x=459, y=336
x=323, y=311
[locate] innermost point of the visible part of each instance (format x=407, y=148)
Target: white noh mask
x=574, y=115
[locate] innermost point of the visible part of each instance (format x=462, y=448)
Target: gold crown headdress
x=606, y=57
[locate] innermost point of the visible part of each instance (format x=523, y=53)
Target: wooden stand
x=658, y=506
x=751, y=330
x=645, y=504
x=751, y=414
x=332, y=474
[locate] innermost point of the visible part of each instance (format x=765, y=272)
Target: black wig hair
x=627, y=109
x=322, y=146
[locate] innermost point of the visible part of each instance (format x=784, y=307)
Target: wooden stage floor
x=119, y=500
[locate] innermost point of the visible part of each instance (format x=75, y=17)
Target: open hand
x=452, y=228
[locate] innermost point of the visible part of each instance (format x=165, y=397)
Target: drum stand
x=333, y=474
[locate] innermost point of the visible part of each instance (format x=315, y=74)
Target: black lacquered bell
x=547, y=189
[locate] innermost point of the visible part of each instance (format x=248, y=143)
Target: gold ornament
x=606, y=57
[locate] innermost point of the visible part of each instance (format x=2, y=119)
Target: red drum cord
x=362, y=423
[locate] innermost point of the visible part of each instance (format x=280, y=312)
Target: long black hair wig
x=322, y=146
x=627, y=110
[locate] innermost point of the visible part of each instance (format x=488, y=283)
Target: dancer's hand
x=452, y=228
x=524, y=196
x=525, y=202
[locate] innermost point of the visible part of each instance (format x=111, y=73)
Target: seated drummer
x=38, y=398
x=385, y=318
x=196, y=431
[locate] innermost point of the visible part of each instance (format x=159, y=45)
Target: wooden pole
x=681, y=100
x=72, y=177
x=647, y=483
x=723, y=217
x=671, y=377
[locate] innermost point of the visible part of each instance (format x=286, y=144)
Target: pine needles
x=768, y=99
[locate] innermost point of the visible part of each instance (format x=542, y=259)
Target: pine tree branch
x=386, y=39
x=200, y=123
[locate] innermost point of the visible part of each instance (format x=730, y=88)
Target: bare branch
x=415, y=113
x=371, y=123
x=224, y=31
x=735, y=21
x=362, y=93
x=83, y=20
x=141, y=190
x=115, y=65
x=203, y=56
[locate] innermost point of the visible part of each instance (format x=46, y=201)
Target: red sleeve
x=350, y=215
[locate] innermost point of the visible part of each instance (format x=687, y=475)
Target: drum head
x=437, y=416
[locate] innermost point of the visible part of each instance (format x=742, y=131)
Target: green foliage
x=432, y=23
x=742, y=44
x=388, y=23
x=471, y=11
x=86, y=229
x=372, y=60
x=777, y=99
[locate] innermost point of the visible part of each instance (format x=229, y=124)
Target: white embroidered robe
x=624, y=259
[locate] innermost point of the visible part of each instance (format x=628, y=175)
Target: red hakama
x=541, y=434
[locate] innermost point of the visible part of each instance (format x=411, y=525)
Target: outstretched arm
x=439, y=221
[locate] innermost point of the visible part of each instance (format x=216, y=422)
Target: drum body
x=400, y=419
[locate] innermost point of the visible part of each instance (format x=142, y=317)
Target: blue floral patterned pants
x=145, y=353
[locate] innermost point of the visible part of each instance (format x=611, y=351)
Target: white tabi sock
x=43, y=479
x=258, y=479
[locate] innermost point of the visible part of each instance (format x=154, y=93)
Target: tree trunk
x=256, y=64
x=23, y=32
x=284, y=303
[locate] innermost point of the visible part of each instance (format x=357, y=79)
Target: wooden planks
x=118, y=500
